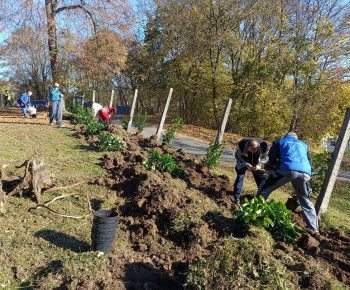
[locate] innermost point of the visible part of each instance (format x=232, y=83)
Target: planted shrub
x=82, y=115
x=170, y=133
x=68, y=117
x=275, y=217
x=141, y=121
x=213, y=156
x=109, y=143
x=164, y=163
x=125, y=123
x=95, y=128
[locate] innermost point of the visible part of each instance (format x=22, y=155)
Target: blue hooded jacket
x=24, y=98
x=54, y=95
x=290, y=153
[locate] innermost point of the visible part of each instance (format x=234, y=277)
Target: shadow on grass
x=43, y=272
x=222, y=225
x=87, y=148
x=96, y=203
x=145, y=276
x=63, y=241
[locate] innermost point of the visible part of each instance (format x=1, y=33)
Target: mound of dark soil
x=162, y=249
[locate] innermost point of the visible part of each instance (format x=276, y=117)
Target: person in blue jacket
x=24, y=102
x=290, y=157
x=54, y=101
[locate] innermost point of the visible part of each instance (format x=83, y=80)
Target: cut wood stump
x=2, y=200
x=36, y=178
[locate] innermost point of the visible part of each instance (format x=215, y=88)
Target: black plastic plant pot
x=103, y=230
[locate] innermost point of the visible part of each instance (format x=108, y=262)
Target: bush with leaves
x=81, y=115
x=95, y=128
x=141, y=121
x=125, y=123
x=320, y=164
x=213, y=156
x=109, y=142
x=164, y=163
x=170, y=133
x=275, y=217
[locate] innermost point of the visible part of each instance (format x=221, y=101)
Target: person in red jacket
x=106, y=114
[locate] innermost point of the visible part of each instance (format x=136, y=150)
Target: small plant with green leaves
x=109, y=143
x=320, y=164
x=170, y=133
x=95, y=128
x=213, y=156
x=164, y=163
x=275, y=217
x=82, y=115
x=125, y=123
x=141, y=121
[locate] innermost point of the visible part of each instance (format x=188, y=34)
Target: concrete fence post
x=63, y=105
x=222, y=127
x=132, y=110
x=112, y=96
x=332, y=172
x=162, y=120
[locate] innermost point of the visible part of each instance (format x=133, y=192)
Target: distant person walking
x=24, y=102
x=249, y=153
x=291, y=158
x=8, y=99
x=54, y=101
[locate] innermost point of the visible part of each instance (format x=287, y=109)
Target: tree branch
x=73, y=7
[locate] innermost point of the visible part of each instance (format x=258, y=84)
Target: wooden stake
x=132, y=111
x=222, y=127
x=112, y=96
x=162, y=120
x=93, y=96
x=332, y=172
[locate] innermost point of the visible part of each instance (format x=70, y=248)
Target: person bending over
x=249, y=153
x=291, y=158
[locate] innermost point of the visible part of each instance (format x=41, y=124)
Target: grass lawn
x=39, y=242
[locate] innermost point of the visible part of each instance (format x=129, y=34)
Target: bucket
x=103, y=230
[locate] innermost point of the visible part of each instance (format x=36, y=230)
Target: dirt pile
x=171, y=223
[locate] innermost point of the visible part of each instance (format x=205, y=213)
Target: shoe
x=51, y=124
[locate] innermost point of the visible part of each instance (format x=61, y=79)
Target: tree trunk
x=215, y=106
x=52, y=37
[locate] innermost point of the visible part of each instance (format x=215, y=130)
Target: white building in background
x=330, y=142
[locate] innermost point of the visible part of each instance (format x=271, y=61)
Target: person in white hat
x=54, y=101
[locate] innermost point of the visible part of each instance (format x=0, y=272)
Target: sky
x=138, y=30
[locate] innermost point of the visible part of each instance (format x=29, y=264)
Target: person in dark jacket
x=249, y=154
x=24, y=102
x=292, y=161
